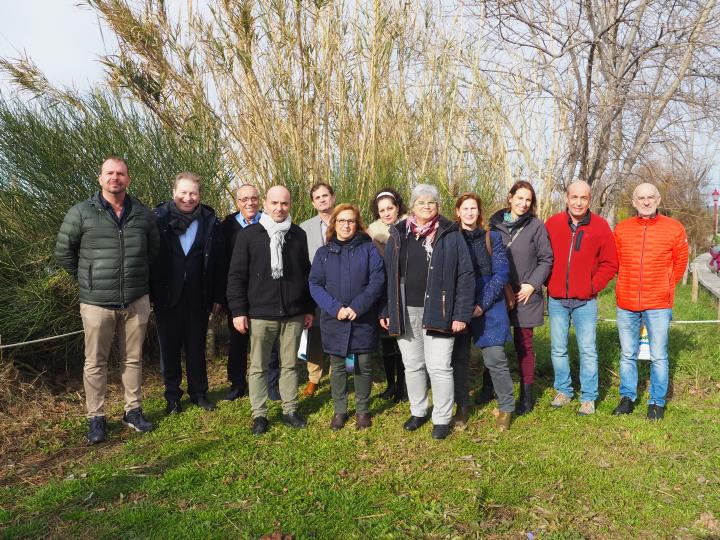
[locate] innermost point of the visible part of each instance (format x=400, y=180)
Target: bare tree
x=594, y=83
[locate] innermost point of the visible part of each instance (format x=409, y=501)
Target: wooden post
x=694, y=293
x=685, y=275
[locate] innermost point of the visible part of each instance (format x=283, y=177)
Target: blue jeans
x=584, y=319
x=657, y=322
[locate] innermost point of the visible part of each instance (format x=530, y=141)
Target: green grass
x=557, y=475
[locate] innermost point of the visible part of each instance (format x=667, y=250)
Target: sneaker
x=560, y=400
x=294, y=420
x=626, y=406
x=259, y=425
x=586, y=408
x=440, y=431
x=97, y=429
x=655, y=412
x=136, y=420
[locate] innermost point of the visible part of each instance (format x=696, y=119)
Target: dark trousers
x=183, y=328
x=237, y=360
x=339, y=383
x=392, y=362
x=461, y=367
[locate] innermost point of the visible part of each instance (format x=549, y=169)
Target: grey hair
x=424, y=189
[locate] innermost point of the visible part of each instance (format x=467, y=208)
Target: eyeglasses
x=346, y=221
x=429, y=204
x=246, y=200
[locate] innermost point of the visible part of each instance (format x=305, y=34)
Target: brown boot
x=502, y=419
x=362, y=420
x=460, y=420
x=310, y=389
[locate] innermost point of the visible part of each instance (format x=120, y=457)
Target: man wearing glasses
x=652, y=254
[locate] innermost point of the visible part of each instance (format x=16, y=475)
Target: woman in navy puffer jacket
x=490, y=326
x=347, y=281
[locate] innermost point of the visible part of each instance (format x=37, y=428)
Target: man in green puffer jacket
x=107, y=243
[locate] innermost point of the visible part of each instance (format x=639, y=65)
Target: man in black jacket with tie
x=187, y=283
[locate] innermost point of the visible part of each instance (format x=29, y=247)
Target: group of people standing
x=424, y=287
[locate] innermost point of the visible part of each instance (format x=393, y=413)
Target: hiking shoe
x=97, y=429
x=655, y=412
x=136, y=420
x=626, y=406
x=560, y=400
x=586, y=408
x=294, y=420
x=310, y=389
x=502, y=419
x=259, y=425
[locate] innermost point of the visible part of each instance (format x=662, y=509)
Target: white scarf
x=276, y=231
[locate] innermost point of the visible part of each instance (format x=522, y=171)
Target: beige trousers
x=100, y=325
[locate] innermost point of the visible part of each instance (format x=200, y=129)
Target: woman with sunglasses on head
x=531, y=259
x=347, y=281
x=388, y=208
x=429, y=301
x=490, y=326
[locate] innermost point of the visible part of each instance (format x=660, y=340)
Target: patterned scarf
x=276, y=231
x=428, y=231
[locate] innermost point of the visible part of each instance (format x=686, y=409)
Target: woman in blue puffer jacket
x=347, y=281
x=490, y=326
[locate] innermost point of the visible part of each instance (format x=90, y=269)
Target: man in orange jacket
x=652, y=253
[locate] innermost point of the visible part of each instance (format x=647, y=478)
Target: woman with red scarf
x=431, y=285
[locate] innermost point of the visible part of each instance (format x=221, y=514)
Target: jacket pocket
x=90, y=277
x=444, y=316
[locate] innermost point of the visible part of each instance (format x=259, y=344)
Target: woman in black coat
x=531, y=259
x=347, y=281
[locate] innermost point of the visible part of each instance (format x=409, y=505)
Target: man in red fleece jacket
x=585, y=261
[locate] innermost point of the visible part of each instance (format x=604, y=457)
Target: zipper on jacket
x=642, y=253
x=567, y=270
x=121, y=236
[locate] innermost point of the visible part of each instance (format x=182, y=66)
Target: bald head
x=277, y=203
x=646, y=199
x=578, y=199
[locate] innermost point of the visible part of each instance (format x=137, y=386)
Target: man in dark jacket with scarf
x=187, y=283
x=107, y=243
x=268, y=292
x=584, y=261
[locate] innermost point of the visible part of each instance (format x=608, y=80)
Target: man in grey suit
x=323, y=200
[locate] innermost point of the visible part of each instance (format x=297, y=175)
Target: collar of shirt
x=107, y=206
x=243, y=222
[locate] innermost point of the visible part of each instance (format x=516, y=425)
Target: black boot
x=389, y=365
x=526, y=403
x=487, y=392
